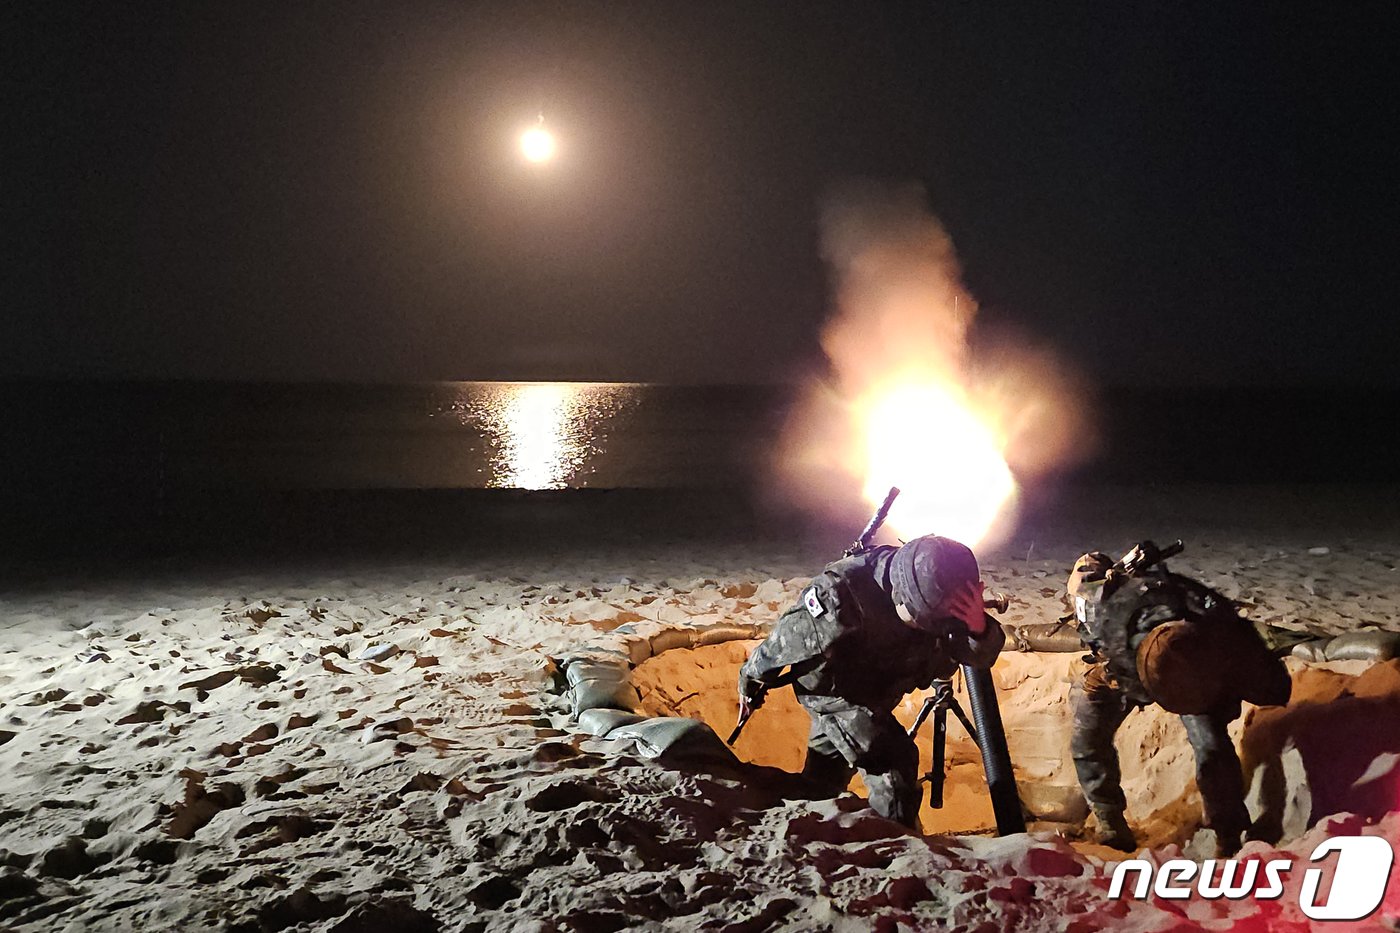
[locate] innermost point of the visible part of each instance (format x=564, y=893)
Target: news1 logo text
x=1359, y=878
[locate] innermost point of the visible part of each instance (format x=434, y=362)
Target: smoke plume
x=899, y=301
x=899, y=333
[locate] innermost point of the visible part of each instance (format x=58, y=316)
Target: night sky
x=1194, y=194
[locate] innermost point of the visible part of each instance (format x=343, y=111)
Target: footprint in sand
x=567, y=795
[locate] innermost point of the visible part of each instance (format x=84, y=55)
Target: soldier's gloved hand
x=965, y=605
x=751, y=691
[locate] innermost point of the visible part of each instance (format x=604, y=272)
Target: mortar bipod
x=991, y=742
x=938, y=706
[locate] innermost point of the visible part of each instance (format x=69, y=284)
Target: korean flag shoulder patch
x=812, y=601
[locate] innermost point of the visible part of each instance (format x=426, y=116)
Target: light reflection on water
x=543, y=433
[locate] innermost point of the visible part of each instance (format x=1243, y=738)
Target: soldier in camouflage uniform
x=870, y=629
x=1158, y=637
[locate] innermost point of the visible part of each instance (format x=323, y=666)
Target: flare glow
x=537, y=144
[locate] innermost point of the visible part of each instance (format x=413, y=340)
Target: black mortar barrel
x=996, y=758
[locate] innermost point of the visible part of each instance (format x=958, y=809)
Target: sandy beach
x=415, y=414
x=384, y=744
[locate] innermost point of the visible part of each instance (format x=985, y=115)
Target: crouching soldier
x=1158, y=637
x=870, y=629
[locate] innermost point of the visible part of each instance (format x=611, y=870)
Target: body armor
x=1114, y=628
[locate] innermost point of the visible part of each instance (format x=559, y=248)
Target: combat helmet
x=924, y=571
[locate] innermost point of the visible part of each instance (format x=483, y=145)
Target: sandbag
x=1278, y=640
x=673, y=739
x=692, y=638
x=600, y=721
x=595, y=685
x=603, y=694
x=1056, y=637
x=1312, y=651
x=1364, y=646
x=581, y=670
x=719, y=634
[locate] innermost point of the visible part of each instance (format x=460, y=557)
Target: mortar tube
x=996, y=757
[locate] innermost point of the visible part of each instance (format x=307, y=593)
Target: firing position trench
x=668, y=696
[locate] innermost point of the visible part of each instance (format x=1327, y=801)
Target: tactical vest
x=1117, y=625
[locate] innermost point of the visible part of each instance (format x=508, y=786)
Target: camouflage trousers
x=845, y=739
x=1100, y=708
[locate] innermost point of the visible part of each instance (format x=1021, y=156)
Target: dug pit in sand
x=1033, y=689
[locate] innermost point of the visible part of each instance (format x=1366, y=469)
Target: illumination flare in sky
x=537, y=143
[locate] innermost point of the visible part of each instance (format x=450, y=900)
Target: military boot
x=1227, y=844
x=1114, y=831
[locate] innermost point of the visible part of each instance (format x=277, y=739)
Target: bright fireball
x=923, y=438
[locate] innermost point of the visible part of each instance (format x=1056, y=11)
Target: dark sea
x=92, y=465
x=444, y=435
x=109, y=465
